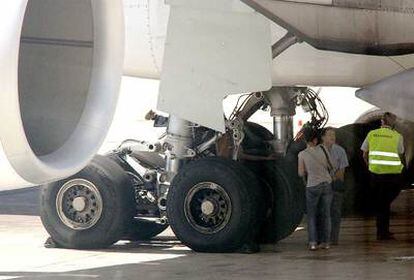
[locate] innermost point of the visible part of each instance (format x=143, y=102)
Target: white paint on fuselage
x=146, y=28
x=320, y=2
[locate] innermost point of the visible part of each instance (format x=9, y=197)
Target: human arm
x=401, y=151
x=301, y=166
x=340, y=175
x=365, y=149
x=343, y=164
x=365, y=156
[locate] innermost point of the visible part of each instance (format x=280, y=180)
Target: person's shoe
x=334, y=243
x=313, y=247
x=324, y=246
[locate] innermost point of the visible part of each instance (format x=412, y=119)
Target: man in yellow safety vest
x=383, y=151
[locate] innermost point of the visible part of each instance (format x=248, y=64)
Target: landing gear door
x=213, y=48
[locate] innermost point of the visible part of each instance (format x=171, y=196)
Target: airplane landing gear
x=215, y=205
x=218, y=192
x=90, y=209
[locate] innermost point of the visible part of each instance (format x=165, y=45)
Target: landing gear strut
x=213, y=201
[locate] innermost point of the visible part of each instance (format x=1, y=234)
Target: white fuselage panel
x=302, y=64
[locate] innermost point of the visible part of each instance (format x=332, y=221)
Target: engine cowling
x=60, y=71
x=358, y=195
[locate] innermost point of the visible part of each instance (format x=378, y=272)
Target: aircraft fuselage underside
x=350, y=26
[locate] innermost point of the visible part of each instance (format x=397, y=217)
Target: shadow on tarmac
x=359, y=256
x=293, y=261
x=20, y=202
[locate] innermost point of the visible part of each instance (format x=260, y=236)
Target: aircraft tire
x=90, y=209
x=215, y=205
x=358, y=194
x=285, y=191
x=288, y=204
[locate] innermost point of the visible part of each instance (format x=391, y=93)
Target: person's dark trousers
x=386, y=188
x=318, y=200
x=336, y=215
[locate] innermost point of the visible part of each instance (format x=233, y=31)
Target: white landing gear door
x=213, y=48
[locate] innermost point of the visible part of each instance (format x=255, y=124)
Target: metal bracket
x=236, y=127
x=284, y=43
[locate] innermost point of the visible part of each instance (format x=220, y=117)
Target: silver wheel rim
x=79, y=204
x=207, y=207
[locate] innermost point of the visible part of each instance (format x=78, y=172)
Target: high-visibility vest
x=383, y=151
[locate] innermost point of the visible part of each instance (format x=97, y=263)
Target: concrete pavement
x=359, y=256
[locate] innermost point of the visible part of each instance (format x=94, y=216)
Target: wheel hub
x=79, y=204
x=208, y=207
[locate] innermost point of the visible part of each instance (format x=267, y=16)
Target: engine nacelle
x=60, y=70
x=358, y=195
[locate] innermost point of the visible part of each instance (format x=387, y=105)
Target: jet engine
x=60, y=69
x=358, y=194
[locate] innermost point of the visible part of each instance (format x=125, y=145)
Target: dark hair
x=389, y=118
x=310, y=134
x=326, y=129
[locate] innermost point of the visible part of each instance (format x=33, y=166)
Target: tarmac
x=359, y=255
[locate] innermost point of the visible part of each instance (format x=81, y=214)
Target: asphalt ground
x=359, y=255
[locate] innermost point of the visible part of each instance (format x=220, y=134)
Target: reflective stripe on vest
x=384, y=162
x=383, y=155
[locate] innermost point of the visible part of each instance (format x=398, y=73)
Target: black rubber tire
x=289, y=166
x=285, y=191
x=358, y=195
x=139, y=230
x=256, y=139
x=245, y=195
x=118, y=199
x=288, y=204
